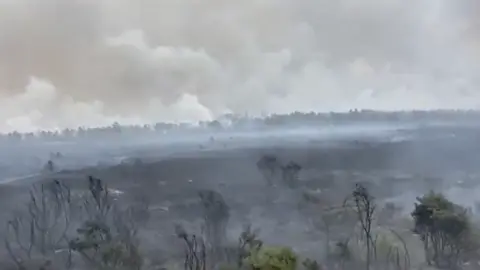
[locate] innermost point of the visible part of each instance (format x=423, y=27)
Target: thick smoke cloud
x=65, y=63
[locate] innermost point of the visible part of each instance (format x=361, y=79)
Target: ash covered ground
x=396, y=161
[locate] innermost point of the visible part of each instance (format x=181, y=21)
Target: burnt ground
x=396, y=170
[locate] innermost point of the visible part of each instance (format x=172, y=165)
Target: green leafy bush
x=272, y=258
x=444, y=228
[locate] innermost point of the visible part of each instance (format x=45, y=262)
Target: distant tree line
x=244, y=122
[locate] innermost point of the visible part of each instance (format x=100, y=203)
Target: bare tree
x=365, y=208
x=247, y=242
x=49, y=167
x=336, y=222
x=216, y=214
x=98, y=203
x=329, y=219
x=290, y=173
x=395, y=257
x=195, y=250
x=269, y=166
x=23, y=245
x=343, y=253
x=108, y=238
x=43, y=228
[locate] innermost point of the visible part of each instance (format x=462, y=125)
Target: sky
x=70, y=63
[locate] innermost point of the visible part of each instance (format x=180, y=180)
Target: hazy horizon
x=90, y=63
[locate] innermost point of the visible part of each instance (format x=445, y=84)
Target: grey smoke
x=92, y=62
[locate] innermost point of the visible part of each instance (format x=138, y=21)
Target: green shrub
x=444, y=228
x=272, y=258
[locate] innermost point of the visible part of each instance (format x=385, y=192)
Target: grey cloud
x=143, y=61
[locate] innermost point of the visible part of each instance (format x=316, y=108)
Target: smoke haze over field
x=92, y=62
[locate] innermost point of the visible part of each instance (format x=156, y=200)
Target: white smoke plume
x=66, y=63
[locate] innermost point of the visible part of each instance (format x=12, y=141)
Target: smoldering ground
x=395, y=171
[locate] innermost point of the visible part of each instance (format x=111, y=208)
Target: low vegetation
x=65, y=229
